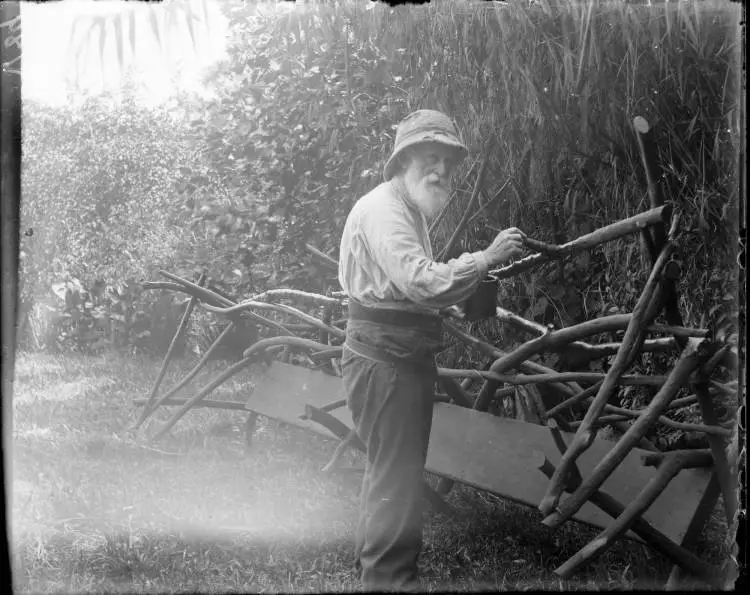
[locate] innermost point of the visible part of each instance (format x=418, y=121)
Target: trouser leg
x=392, y=411
x=362, y=522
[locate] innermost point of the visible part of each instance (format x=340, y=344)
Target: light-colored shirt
x=386, y=259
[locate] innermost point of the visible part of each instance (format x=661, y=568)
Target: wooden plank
x=492, y=453
x=285, y=389
x=678, y=579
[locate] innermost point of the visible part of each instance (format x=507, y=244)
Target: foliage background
x=303, y=120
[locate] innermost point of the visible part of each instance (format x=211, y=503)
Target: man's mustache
x=434, y=180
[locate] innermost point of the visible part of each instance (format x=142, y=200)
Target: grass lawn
x=95, y=508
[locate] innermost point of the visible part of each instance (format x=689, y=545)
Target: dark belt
x=427, y=322
x=380, y=355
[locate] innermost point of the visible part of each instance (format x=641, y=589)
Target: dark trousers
x=391, y=404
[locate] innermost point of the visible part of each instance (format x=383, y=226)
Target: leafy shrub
x=309, y=99
x=307, y=104
x=100, y=212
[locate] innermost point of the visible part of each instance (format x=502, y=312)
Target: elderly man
x=395, y=291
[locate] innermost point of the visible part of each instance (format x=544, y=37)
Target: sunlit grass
x=98, y=509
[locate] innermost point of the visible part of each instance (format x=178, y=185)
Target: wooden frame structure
x=627, y=488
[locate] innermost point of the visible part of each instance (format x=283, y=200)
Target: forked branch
x=647, y=307
x=608, y=233
x=688, y=361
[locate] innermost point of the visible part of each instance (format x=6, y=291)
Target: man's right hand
x=506, y=245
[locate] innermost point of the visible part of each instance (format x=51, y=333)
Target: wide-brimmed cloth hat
x=422, y=126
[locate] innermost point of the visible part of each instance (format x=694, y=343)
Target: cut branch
x=657, y=234
x=724, y=467
x=723, y=462
x=645, y=530
x=554, y=340
x=444, y=211
x=602, y=349
x=612, y=410
x=644, y=443
x=648, y=305
x=627, y=519
x=470, y=206
x=202, y=293
x=295, y=294
x=550, y=250
x=150, y=407
x=326, y=354
x=190, y=375
x=340, y=448
x=209, y=404
x=490, y=387
x=592, y=352
x=323, y=259
x=605, y=234
x=454, y=390
x=201, y=394
x=537, y=401
x=679, y=332
x=574, y=477
x=601, y=421
x=490, y=202
x=493, y=352
x=530, y=412
x=553, y=377
x=294, y=342
x=209, y=297
x=690, y=459
x=575, y=399
x=650, y=160
x=327, y=408
x=694, y=532
x=708, y=429
x=689, y=360
x=246, y=305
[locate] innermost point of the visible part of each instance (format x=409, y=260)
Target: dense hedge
x=100, y=215
x=308, y=100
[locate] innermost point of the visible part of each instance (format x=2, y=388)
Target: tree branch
x=645, y=530
x=246, y=305
x=467, y=213
x=649, y=303
x=627, y=519
x=608, y=233
x=689, y=359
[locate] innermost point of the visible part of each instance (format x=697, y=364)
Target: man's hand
x=506, y=245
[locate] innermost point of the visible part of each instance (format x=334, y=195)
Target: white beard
x=428, y=197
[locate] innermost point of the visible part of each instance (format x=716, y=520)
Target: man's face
x=427, y=176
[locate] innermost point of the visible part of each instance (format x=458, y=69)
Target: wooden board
x=490, y=453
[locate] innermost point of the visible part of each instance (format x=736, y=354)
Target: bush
x=309, y=99
x=307, y=104
x=102, y=211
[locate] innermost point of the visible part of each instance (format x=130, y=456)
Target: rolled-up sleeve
x=395, y=246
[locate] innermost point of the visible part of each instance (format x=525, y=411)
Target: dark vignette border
x=10, y=198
